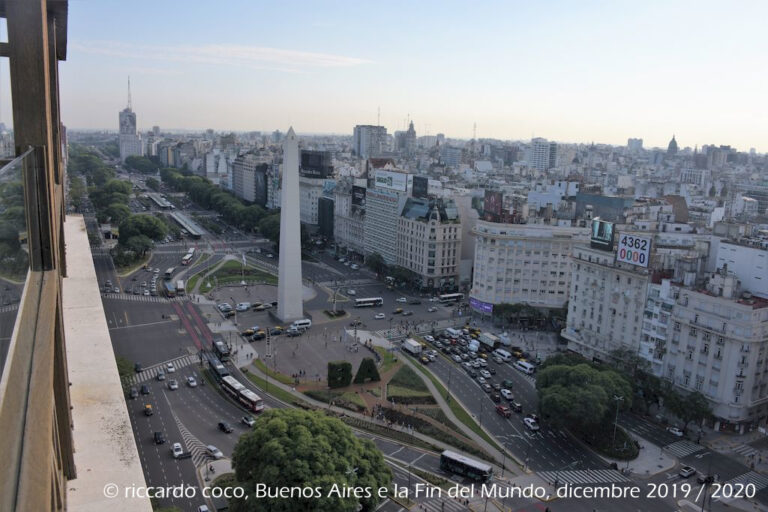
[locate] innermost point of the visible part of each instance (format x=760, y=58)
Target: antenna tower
x=130, y=107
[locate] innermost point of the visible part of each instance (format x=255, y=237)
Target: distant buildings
x=543, y=154
x=634, y=145
x=368, y=140
x=128, y=139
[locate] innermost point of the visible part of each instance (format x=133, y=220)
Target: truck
x=412, y=346
x=505, y=340
x=489, y=340
x=179, y=287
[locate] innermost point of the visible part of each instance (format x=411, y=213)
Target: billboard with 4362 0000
x=633, y=249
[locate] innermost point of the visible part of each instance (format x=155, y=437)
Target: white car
x=482, y=362
x=173, y=384
x=146, y=292
x=170, y=368
x=402, y=299
x=485, y=373
x=429, y=338
x=675, y=431
x=214, y=452
x=431, y=309
x=481, y=380
x=248, y=420
x=243, y=306
x=434, y=299
x=507, y=394
x=380, y=316
x=531, y=424
x=354, y=266
x=224, y=306
x=177, y=450
x=191, y=382
x=351, y=292
x=456, y=358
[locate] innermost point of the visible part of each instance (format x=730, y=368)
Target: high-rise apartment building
x=249, y=178
x=634, y=145
x=128, y=139
x=349, y=216
x=368, y=140
x=543, y=154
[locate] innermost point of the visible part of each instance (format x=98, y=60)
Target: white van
x=525, y=367
x=503, y=354
x=453, y=333
x=302, y=325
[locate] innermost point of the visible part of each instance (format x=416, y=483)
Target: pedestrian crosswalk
x=144, y=298
x=584, y=476
x=751, y=477
x=436, y=504
x=746, y=450
x=8, y=309
x=682, y=449
x=150, y=373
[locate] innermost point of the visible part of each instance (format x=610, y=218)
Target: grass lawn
x=353, y=398
x=438, y=415
x=275, y=391
x=395, y=390
x=285, y=379
x=133, y=267
x=387, y=359
x=232, y=272
x=458, y=411
x=407, y=378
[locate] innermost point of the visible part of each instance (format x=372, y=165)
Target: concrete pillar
x=289, y=287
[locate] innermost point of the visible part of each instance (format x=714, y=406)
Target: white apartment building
x=368, y=140
x=718, y=347
x=521, y=263
x=657, y=324
x=348, y=218
x=429, y=241
x=249, y=178
x=310, y=190
x=748, y=262
x=543, y=154
x=606, y=304
x=382, y=219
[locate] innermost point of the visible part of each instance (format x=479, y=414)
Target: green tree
x=77, y=191
x=141, y=164
x=291, y=447
x=339, y=374
x=690, y=407
x=147, y=225
x=153, y=184
x=270, y=227
x=367, y=371
x=375, y=262
x=118, y=212
x=139, y=244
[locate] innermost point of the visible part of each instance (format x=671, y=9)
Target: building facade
x=382, y=219
x=129, y=140
x=249, y=179
x=368, y=140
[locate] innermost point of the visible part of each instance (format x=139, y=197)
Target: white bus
x=251, y=400
x=187, y=259
x=180, y=287
x=369, y=302
x=450, y=298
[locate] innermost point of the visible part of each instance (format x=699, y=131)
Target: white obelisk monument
x=289, y=287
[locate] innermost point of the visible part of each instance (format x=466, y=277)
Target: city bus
x=369, y=302
x=218, y=370
x=170, y=290
x=251, y=400
x=231, y=386
x=462, y=465
x=450, y=298
x=187, y=259
x=221, y=351
x=180, y=287
x=169, y=273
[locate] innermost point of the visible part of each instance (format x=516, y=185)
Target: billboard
x=391, y=180
x=492, y=205
x=478, y=305
x=420, y=186
x=635, y=250
x=316, y=164
x=602, y=235
x=358, y=199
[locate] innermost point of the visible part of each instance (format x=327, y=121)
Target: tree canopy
x=141, y=164
x=147, y=225
x=291, y=447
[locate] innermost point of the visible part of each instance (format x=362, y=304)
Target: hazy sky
x=574, y=71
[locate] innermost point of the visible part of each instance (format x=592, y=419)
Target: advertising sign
x=316, y=164
x=391, y=180
x=633, y=249
x=420, y=187
x=358, y=199
x=602, y=235
x=478, y=305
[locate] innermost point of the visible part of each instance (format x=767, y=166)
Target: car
x=292, y=333
x=472, y=373
x=275, y=331
x=506, y=383
x=177, y=450
x=380, y=316
x=247, y=420
x=503, y=410
x=224, y=306
x=270, y=255
x=229, y=314
x=498, y=360
x=354, y=266
x=144, y=389
x=108, y=283
x=481, y=380
x=248, y=332
x=173, y=384
x=516, y=406
x=153, y=292
x=143, y=284
x=533, y=417
x=160, y=375
x=191, y=382
x=456, y=358
x=474, y=363
x=351, y=292
x=258, y=335
x=225, y=427
x=675, y=431
x=492, y=370
x=429, y=338
x=507, y=394
x=146, y=293
x=213, y=452
x=483, y=355
x=702, y=478
x=496, y=397
x=263, y=307
x=686, y=471
x=243, y=306
x=134, y=393
x=137, y=291
x=465, y=357
x=407, y=313
x=432, y=357
x=137, y=368
x=355, y=323
x=347, y=263
x=425, y=359
x=159, y=438
x=402, y=300
x=116, y=289
x=148, y=410
x=496, y=386
x=414, y=302
x=436, y=343
x=342, y=260
x=485, y=373
x=531, y=424
x=431, y=309
x=397, y=311
x=487, y=388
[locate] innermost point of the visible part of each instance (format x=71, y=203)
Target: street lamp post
x=618, y=400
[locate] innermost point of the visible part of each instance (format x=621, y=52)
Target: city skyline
x=567, y=73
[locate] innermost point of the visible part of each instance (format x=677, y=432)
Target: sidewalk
x=651, y=459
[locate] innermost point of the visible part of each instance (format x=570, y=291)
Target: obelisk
x=289, y=287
